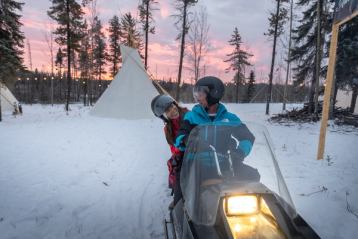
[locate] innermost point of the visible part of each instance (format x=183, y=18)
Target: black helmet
x=160, y=104
x=212, y=86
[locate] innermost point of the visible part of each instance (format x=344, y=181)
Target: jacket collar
x=202, y=112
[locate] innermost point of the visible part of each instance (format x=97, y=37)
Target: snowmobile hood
x=210, y=170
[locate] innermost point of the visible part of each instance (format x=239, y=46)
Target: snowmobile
x=225, y=196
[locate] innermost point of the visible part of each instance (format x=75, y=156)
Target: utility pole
x=269, y=92
x=288, y=59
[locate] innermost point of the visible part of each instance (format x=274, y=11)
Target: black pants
x=177, y=189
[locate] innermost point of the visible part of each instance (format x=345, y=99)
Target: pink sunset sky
x=249, y=16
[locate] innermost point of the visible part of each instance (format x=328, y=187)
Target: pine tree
x=347, y=59
x=146, y=17
x=183, y=25
x=69, y=16
x=281, y=17
x=251, y=87
x=238, y=59
x=306, y=50
x=130, y=36
x=84, y=64
x=114, y=53
x=11, y=42
x=99, y=50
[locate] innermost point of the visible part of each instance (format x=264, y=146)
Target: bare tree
x=29, y=53
x=49, y=41
x=146, y=17
x=198, y=41
x=277, y=21
x=288, y=57
x=93, y=14
x=182, y=7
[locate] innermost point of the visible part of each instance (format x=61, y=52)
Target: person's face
x=172, y=112
x=200, y=97
x=202, y=100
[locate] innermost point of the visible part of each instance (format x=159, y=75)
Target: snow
x=80, y=176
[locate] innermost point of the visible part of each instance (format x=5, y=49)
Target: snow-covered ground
x=79, y=176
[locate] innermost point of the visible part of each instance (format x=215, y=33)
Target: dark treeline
x=295, y=93
x=38, y=87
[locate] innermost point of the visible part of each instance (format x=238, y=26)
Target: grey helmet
x=160, y=104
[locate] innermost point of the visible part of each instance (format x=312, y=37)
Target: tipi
x=8, y=100
x=130, y=93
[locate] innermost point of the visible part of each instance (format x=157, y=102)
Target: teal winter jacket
x=199, y=116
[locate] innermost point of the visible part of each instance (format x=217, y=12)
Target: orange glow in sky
x=249, y=16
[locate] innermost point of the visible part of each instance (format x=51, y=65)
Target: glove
x=236, y=154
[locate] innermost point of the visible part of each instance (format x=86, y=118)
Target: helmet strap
x=164, y=119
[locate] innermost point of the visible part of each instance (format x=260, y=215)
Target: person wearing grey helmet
x=167, y=109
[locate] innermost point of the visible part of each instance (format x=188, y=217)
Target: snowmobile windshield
x=212, y=169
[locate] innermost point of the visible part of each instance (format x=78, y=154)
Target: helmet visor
x=200, y=93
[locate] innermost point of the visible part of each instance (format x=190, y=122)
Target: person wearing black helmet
x=166, y=108
x=208, y=92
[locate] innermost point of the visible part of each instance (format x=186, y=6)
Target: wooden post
x=327, y=90
x=329, y=83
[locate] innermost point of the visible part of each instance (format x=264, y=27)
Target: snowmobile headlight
x=241, y=205
x=249, y=216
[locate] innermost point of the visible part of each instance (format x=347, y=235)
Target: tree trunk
x=237, y=86
x=333, y=99
x=354, y=99
x=85, y=92
x=146, y=34
x=288, y=59
x=90, y=78
x=60, y=83
x=181, y=51
x=311, y=93
x=0, y=102
x=269, y=93
x=318, y=56
x=68, y=56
